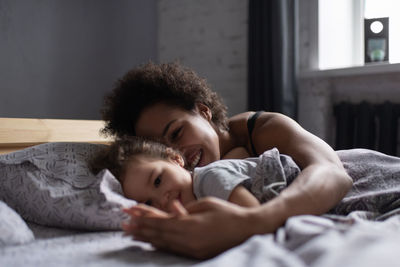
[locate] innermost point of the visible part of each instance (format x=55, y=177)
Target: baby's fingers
x=133, y=212
x=140, y=210
x=129, y=226
x=177, y=208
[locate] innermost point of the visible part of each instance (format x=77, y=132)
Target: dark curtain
x=272, y=63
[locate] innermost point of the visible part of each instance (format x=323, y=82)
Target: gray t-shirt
x=264, y=176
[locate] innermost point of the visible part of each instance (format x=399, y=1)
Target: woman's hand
x=209, y=227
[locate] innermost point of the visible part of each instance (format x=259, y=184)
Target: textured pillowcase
x=51, y=184
x=13, y=229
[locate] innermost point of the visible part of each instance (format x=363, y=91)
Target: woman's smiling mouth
x=194, y=159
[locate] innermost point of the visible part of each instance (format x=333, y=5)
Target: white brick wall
x=315, y=112
x=209, y=36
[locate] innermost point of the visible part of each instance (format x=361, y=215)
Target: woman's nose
x=177, y=144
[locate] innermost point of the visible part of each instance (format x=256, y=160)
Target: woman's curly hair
x=152, y=83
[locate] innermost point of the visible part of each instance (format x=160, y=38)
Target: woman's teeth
x=196, y=160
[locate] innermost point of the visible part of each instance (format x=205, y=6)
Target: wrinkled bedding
x=307, y=240
x=321, y=241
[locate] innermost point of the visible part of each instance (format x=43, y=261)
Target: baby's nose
x=164, y=200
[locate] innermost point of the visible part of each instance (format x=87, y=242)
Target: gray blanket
x=376, y=183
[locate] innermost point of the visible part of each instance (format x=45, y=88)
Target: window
x=341, y=30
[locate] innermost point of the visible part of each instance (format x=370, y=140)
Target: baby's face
x=157, y=182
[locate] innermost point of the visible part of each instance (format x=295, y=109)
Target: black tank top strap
x=251, y=121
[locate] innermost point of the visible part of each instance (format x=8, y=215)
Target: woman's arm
x=323, y=181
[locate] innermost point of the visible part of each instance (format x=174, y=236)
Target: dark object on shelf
x=376, y=40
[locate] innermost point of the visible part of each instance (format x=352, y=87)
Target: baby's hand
x=142, y=210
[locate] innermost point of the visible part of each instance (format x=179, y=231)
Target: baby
x=154, y=174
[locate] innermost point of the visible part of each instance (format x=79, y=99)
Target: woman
x=172, y=104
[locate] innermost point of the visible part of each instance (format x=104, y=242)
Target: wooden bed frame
x=18, y=133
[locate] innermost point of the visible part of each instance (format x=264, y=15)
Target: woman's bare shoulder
x=238, y=123
x=270, y=130
x=239, y=118
x=238, y=126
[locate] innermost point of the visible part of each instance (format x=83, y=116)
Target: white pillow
x=13, y=229
x=51, y=184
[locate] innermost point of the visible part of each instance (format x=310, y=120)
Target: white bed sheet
x=304, y=241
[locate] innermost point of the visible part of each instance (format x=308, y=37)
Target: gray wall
x=59, y=57
x=209, y=36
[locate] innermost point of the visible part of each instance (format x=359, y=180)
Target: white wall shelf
x=372, y=68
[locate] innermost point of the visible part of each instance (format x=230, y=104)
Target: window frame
x=308, y=46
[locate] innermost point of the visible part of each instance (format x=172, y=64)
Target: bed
x=55, y=212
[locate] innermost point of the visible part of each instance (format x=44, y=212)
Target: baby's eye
x=157, y=181
x=148, y=202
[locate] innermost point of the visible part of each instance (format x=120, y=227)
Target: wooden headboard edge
x=19, y=133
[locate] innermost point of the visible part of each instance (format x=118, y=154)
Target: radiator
x=367, y=125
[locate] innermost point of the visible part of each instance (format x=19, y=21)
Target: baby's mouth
x=179, y=198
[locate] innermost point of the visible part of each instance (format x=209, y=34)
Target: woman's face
x=189, y=132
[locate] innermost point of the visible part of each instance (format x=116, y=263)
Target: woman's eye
x=175, y=134
x=157, y=181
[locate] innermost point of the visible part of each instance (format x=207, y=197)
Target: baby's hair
x=116, y=156
x=150, y=84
